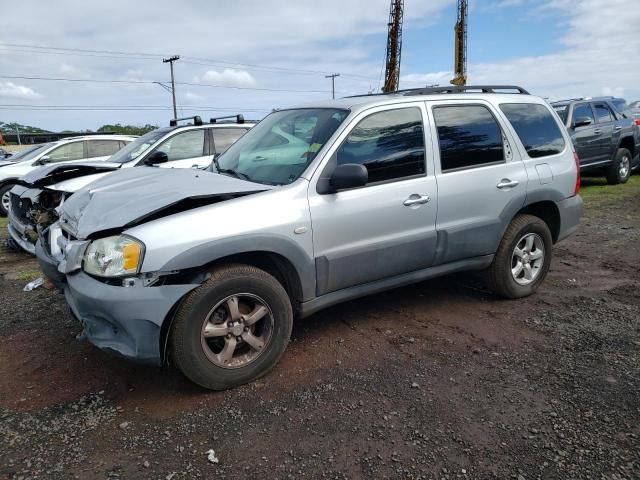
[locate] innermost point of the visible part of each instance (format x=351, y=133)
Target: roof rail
x=174, y=121
x=239, y=118
x=464, y=89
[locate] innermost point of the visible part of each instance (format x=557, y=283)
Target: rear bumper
x=570, y=213
x=126, y=321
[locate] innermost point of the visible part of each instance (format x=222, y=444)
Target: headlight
x=113, y=256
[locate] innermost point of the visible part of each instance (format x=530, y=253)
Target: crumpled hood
x=56, y=173
x=132, y=196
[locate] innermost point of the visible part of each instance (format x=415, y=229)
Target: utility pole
x=170, y=61
x=333, y=83
x=18, y=132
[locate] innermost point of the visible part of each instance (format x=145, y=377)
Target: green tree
x=127, y=129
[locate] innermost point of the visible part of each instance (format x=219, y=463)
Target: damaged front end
x=32, y=211
x=35, y=200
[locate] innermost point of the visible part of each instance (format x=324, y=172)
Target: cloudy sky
x=251, y=56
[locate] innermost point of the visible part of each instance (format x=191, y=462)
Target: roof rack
x=239, y=118
x=452, y=89
x=464, y=89
x=174, y=121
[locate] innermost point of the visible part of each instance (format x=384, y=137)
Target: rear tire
x=620, y=169
x=523, y=258
x=215, y=339
x=4, y=199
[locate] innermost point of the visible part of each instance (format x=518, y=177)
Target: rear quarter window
x=537, y=128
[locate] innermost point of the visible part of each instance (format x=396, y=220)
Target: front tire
x=5, y=199
x=620, y=169
x=233, y=329
x=523, y=258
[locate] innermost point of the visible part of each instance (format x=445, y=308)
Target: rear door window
x=102, y=148
x=603, y=114
x=536, y=127
x=223, y=138
x=469, y=136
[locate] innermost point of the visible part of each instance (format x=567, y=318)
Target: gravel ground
x=440, y=380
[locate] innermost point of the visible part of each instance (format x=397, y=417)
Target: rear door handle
x=416, y=199
x=506, y=183
x=618, y=128
x=597, y=132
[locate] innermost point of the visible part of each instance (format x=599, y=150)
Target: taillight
x=637, y=121
x=576, y=190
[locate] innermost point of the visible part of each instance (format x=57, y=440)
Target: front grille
x=20, y=207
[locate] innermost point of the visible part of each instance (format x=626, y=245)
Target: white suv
x=72, y=149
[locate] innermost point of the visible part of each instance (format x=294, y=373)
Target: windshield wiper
x=230, y=171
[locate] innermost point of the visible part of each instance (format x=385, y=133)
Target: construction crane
x=460, y=54
x=394, y=47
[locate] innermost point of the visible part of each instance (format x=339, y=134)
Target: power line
x=151, y=82
x=154, y=56
x=127, y=107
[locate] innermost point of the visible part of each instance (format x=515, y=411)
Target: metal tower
x=460, y=55
x=394, y=47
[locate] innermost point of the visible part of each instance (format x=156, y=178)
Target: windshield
x=562, y=110
x=279, y=148
x=138, y=146
x=30, y=152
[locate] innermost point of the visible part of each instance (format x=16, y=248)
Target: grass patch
x=596, y=190
x=28, y=275
x=4, y=221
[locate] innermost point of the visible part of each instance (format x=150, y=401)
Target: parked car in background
x=376, y=192
x=604, y=134
x=73, y=149
x=33, y=202
x=4, y=154
x=634, y=108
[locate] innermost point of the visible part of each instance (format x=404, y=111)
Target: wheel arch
x=548, y=212
x=628, y=143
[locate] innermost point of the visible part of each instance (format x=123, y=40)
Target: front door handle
x=416, y=199
x=506, y=183
x=597, y=132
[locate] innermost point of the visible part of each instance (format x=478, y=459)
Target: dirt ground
x=440, y=380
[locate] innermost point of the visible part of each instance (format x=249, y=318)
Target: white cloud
x=228, y=77
x=11, y=90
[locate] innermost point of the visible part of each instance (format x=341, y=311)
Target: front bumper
x=570, y=213
x=126, y=321
x=18, y=234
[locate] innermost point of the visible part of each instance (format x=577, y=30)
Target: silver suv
x=314, y=206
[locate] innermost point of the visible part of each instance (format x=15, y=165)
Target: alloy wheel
x=527, y=259
x=237, y=330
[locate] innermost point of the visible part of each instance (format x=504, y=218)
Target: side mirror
x=349, y=175
x=582, y=122
x=43, y=160
x=156, y=158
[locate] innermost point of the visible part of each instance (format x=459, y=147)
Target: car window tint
x=102, y=148
x=390, y=144
x=536, y=127
x=223, y=138
x=189, y=144
x=469, y=136
x=603, y=113
x=583, y=110
x=67, y=152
